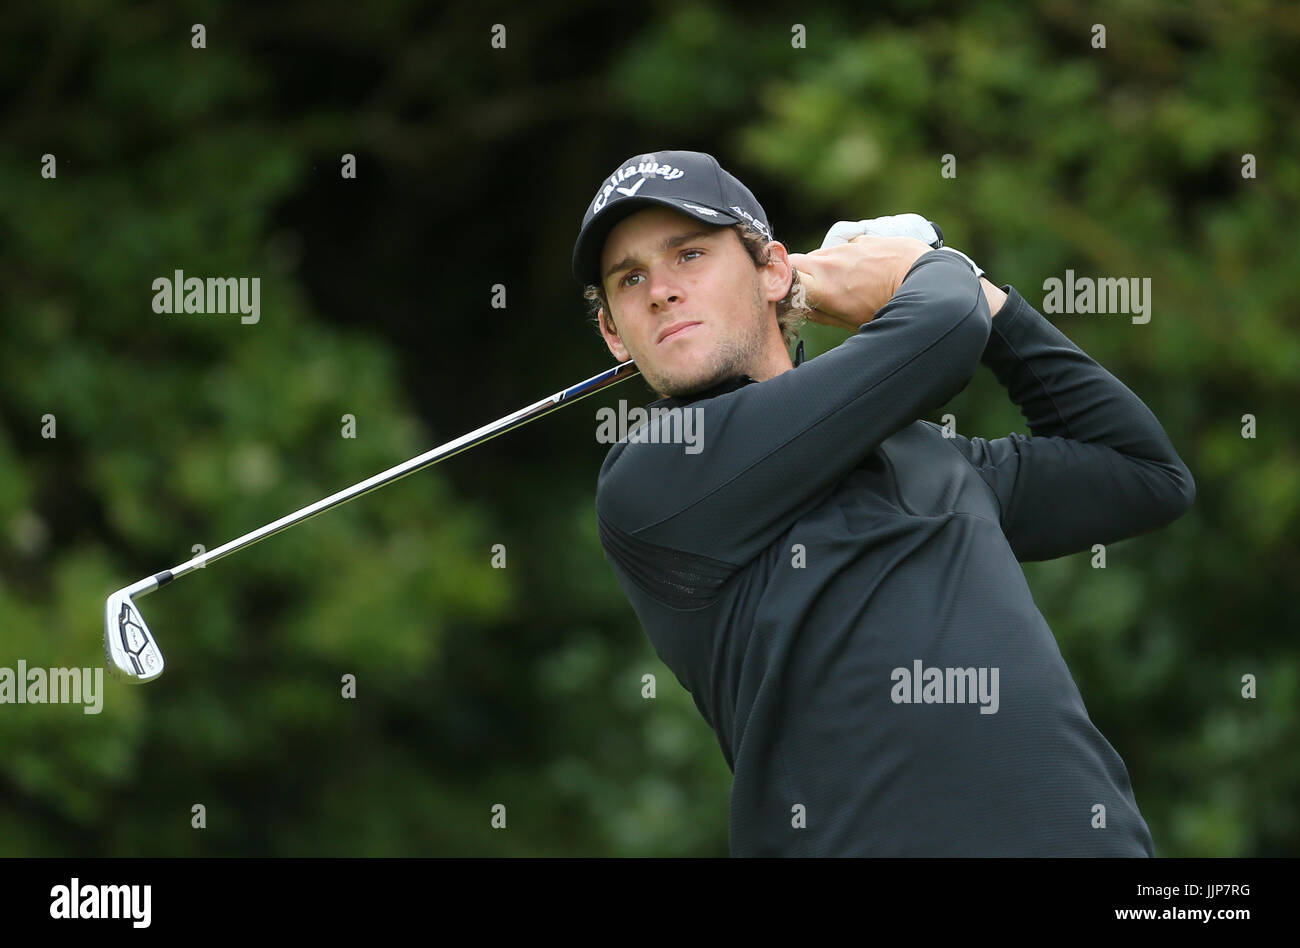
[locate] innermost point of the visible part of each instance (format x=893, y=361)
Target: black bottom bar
x=647, y=899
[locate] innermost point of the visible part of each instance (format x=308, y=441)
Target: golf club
x=132, y=652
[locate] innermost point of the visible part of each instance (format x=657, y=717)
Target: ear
x=778, y=275
x=610, y=333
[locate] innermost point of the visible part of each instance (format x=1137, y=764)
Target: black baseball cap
x=688, y=181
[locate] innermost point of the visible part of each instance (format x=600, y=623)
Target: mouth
x=675, y=329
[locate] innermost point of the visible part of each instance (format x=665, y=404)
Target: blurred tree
x=522, y=686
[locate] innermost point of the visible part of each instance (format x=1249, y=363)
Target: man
x=834, y=581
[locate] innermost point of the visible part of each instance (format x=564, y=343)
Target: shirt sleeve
x=770, y=451
x=1098, y=468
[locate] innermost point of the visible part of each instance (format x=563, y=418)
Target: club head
x=133, y=655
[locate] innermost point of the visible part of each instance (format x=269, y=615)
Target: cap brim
x=587, y=251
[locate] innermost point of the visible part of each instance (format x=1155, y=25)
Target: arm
x=773, y=449
x=993, y=296
x=1098, y=468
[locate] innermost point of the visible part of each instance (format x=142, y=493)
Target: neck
x=771, y=366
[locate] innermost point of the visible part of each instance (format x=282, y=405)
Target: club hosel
x=176, y=572
x=156, y=581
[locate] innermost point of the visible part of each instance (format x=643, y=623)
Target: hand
x=847, y=284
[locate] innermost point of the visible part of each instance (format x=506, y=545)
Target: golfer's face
x=685, y=297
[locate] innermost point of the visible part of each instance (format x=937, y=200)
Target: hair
x=791, y=311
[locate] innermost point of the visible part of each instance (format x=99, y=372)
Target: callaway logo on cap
x=688, y=181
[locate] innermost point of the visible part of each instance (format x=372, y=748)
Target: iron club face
x=133, y=655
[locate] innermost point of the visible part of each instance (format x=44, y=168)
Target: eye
x=623, y=282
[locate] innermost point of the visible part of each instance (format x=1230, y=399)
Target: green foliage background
x=521, y=686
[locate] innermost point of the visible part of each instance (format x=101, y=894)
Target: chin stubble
x=730, y=358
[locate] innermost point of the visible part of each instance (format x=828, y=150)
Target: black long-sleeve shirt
x=823, y=547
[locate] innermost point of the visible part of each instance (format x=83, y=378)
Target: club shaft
x=624, y=370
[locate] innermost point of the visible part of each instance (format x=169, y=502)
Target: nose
x=663, y=288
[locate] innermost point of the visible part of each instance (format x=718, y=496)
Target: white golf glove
x=896, y=225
